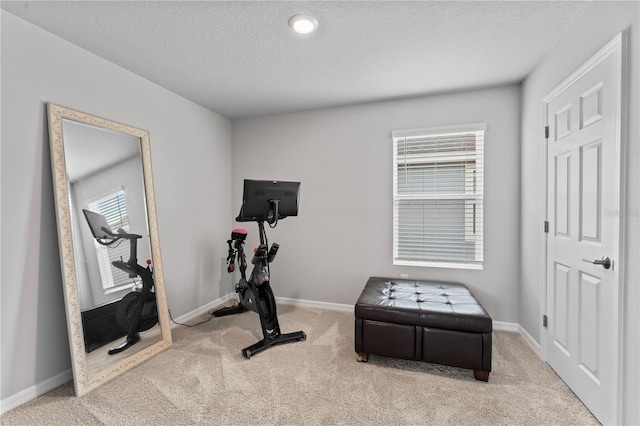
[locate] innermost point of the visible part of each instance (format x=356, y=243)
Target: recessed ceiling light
x=303, y=24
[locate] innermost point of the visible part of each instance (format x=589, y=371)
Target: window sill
x=439, y=265
x=117, y=289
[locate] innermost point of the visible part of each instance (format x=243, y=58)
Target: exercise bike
x=264, y=201
x=131, y=314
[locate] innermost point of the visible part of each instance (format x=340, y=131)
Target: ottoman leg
x=362, y=357
x=481, y=375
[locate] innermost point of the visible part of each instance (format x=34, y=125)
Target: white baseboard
x=313, y=304
x=282, y=300
x=506, y=326
x=35, y=391
x=202, y=309
x=527, y=337
x=517, y=328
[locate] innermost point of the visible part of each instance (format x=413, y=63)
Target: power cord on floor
x=190, y=325
x=211, y=315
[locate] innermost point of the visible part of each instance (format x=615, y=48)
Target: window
x=438, y=196
x=114, y=208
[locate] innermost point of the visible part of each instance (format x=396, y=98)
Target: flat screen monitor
x=98, y=223
x=259, y=196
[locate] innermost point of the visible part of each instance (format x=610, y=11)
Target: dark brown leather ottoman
x=431, y=321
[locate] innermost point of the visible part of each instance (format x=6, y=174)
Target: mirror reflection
x=116, y=306
x=104, y=170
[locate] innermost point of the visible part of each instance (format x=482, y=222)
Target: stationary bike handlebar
x=131, y=266
x=236, y=250
x=122, y=234
x=262, y=254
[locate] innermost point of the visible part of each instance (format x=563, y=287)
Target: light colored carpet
x=203, y=379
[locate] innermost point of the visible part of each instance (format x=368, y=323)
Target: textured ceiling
x=240, y=59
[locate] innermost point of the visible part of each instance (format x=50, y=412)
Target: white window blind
x=438, y=196
x=114, y=208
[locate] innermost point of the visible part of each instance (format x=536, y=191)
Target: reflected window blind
x=438, y=196
x=114, y=209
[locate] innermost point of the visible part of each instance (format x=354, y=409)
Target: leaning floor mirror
x=117, y=314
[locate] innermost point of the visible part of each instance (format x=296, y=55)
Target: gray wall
x=595, y=28
x=343, y=159
x=191, y=156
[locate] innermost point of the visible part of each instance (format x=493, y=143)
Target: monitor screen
x=258, y=200
x=96, y=222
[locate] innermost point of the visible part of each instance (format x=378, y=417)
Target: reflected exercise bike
x=263, y=201
x=131, y=314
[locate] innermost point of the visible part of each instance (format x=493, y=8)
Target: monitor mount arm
x=274, y=212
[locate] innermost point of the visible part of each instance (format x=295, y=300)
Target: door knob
x=605, y=262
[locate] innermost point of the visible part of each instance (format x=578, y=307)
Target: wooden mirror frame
x=84, y=379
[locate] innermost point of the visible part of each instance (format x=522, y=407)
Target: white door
x=583, y=241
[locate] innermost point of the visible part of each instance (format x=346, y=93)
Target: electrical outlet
x=404, y=276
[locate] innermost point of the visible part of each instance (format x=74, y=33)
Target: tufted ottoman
x=430, y=321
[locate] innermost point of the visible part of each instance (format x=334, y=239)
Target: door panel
x=589, y=288
x=590, y=192
x=561, y=303
x=591, y=106
x=563, y=183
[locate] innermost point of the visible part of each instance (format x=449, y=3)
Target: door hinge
x=546, y=132
x=544, y=321
x=546, y=226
